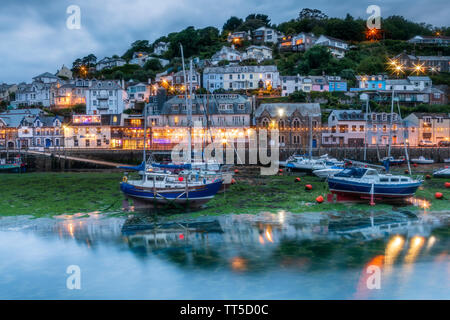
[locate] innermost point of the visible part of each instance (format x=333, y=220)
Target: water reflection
x=310, y=255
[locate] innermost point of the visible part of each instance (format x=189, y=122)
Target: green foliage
x=232, y=24
x=153, y=64
x=196, y=42
x=297, y=96
x=139, y=45
x=223, y=63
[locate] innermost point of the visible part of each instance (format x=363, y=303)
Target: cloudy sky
x=34, y=37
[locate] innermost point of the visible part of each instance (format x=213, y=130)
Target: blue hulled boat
x=160, y=188
x=365, y=182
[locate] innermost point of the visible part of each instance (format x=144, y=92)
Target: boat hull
x=15, y=168
x=195, y=197
x=381, y=191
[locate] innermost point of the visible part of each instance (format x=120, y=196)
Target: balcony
x=102, y=96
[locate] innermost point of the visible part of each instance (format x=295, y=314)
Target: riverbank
x=49, y=194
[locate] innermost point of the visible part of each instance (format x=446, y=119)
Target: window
x=87, y=142
x=99, y=142
x=353, y=128
x=361, y=128
x=75, y=142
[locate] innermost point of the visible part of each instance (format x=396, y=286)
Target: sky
x=34, y=37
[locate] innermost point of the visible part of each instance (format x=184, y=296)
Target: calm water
x=269, y=256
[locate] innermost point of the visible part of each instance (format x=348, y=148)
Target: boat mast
x=310, y=137
x=390, y=129
x=145, y=136
x=189, y=115
x=404, y=140
x=366, y=128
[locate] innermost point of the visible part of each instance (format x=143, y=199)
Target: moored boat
x=442, y=173
x=364, y=183
x=328, y=172
x=160, y=188
x=393, y=161
x=422, y=160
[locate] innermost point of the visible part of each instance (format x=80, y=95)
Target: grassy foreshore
x=49, y=194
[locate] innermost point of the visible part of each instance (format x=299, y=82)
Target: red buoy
x=428, y=177
x=236, y=171
x=298, y=179
x=280, y=170
x=319, y=199
x=181, y=236
x=180, y=178
x=308, y=187
x=415, y=165
x=447, y=184
x=438, y=195
x=233, y=181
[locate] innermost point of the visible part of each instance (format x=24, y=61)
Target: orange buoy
x=438, y=195
x=233, y=181
x=298, y=179
x=319, y=199
x=428, y=177
x=308, y=187
x=447, y=184
x=236, y=171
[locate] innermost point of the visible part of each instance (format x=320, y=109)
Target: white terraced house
x=241, y=77
x=105, y=97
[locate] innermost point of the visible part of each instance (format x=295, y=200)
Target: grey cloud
x=34, y=39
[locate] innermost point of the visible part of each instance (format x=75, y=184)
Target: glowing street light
x=418, y=69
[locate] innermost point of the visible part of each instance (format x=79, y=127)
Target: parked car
x=426, y=143
x=444, y=143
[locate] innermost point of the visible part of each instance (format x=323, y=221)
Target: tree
x=232, y=24
x=153, y=64
x=297, y=96
x=371, y=65
x=312, y=14
x=255, y=21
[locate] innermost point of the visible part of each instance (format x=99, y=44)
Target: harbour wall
x=56, y=162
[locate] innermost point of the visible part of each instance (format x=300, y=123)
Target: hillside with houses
x=250, y=74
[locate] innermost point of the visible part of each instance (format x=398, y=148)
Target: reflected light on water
x=281, y=216
x=431, y=242
x=268, y=233
x=70, y=229
x=416, y=244
x=261, y=239
x=238, y=264
x=393, y=248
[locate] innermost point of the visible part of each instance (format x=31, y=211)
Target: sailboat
x=161, y=187
x=367, y=183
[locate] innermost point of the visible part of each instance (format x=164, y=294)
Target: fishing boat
x=393, y=161
x=422, y=160
x=15, y=165
x=442, y=173
x=364, y=183
x=159, y=188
